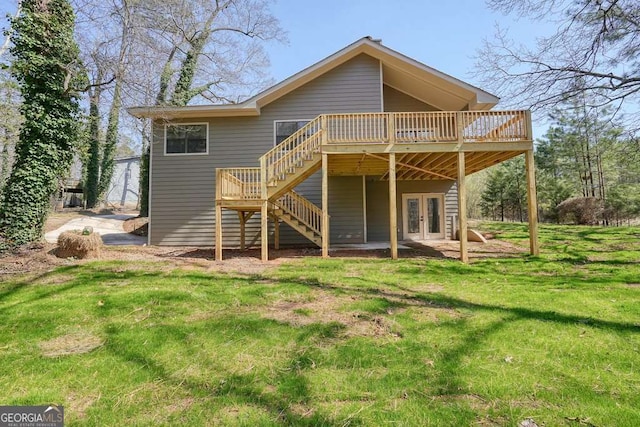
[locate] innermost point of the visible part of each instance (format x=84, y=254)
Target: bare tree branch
x=594, y=49
x=7, y=39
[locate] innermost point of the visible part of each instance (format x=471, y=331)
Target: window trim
x=205, y=153
x=275, y=124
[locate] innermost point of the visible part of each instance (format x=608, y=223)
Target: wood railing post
x=459, y=128
x=391, y=128
x=324, y=135
x=529, y=125
x=264, y=195
x=218, y=184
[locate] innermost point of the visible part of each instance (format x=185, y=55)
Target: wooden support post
x=325, y=205
x=243, y=221
x=218, y=232
x=276, y=233
x=532, y=203
x=264, y=211
x=462, y=208
x=393, y=212
x=264, y=225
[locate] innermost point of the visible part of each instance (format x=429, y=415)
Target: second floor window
x=187, y=139
x=285, y=129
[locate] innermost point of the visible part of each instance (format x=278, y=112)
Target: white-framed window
x=186, y=138
x=282, y=129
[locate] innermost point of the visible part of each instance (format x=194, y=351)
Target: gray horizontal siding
x=183, y=187
x=378, y=205
x=451, y=211
x=346, y=210
x=396, y=101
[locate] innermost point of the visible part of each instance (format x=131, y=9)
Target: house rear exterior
x=349, y=131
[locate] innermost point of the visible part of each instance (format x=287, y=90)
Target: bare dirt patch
x=327, y=308
x=477, y=250
x=74, y=343
x=138, y=226
x=78, y=403
x=40, y=257
x=36, y=258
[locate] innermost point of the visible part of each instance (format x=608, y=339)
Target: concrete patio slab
x=108, y=226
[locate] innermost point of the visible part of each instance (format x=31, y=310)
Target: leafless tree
x=594, y=49
x=171, y=52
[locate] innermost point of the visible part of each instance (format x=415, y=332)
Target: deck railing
x=495, y=126
x=370, y=128
x=238, y=183
x=292, y=152
x=424, y=127
x=301, y=209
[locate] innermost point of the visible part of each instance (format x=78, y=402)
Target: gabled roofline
x=372, y=48
x=366, y=45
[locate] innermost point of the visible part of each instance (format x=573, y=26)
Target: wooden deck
x=395, y=146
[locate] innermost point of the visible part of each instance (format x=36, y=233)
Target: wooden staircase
x=301, y=215
x=281, y=169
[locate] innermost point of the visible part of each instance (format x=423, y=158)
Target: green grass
x=340, y=342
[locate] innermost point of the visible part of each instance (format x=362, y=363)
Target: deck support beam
x=243, y=223
x=532, y=203
x=218, y=232
x=462, y=209
x=244, y=217
x=393, y=212
x=325, y=206
x=276, y=233
x=264, y=226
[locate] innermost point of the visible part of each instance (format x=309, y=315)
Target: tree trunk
x=111, y=141
x=93, y=165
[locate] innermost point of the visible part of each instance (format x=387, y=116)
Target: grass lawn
x=371, y=342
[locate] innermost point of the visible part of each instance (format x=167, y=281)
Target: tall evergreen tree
x=45, y=60
x=505, y=194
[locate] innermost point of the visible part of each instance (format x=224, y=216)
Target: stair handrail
x=293, y=151
x=301, y=209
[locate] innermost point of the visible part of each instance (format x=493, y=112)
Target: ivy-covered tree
x=45, y=63
x=92, y=162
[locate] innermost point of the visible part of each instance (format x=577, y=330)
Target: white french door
x=423, y=216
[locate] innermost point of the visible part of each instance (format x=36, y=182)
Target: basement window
x=186, y=138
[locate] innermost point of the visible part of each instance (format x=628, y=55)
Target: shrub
x=581, y=210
